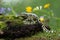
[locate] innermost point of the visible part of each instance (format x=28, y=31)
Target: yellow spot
x=28, y=9
x=46, y=5
x=41, y=19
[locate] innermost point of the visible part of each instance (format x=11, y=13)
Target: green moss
x=2, y=25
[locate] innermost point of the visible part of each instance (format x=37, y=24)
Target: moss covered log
x=14, y=27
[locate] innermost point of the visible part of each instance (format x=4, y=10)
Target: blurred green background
x=20, y=5
x=54, y=4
